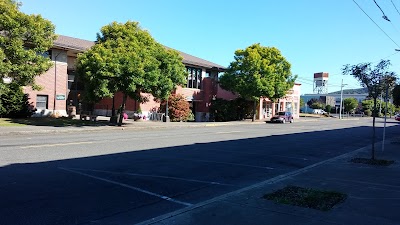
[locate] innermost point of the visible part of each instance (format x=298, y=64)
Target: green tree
x=258, y=71
x=126, y=58
x=367, y=104
x=376, y=81
x=350, y=104
x=14, y=103
x=315, y=103
x=396, y=95
x=328, y=109
x=23, y=41
x=302, y=102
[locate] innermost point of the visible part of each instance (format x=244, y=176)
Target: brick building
x=62, y=88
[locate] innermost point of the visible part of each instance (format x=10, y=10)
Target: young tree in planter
x=350, y=104
x=376, y=81
x=126, y=58
x=258, y=71
x=23, y=41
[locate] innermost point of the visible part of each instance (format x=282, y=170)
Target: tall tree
x=350, y=104
x=23, y=41
x=126, y=58
x=258, y=71
x=396, y=95
x=376, y=81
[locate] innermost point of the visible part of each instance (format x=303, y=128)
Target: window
x=41, y=101
x=194, y=77
x=71, y=79
x=47, y=54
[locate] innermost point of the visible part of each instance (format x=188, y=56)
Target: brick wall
x=55, y=79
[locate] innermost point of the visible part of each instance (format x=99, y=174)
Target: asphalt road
x=128, y=176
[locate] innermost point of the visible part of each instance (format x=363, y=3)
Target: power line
x=376, y=23
x=395, y=7
x=386, y=57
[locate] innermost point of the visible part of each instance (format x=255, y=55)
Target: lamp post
x=166, y=118
x=384, y=126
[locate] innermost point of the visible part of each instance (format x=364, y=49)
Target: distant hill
x=352, y=91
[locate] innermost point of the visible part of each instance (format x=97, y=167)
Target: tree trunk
x=254, y=111
x=373, y=131
x=113, y=107
x=121, y=115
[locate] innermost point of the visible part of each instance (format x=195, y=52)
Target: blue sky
x=313, y=35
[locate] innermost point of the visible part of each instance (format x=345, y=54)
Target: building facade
x=61, y=87
x=332, y=99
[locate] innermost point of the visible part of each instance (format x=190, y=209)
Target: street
x=129, y=176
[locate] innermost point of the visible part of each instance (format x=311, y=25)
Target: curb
x=263, y=183
x=132, y=126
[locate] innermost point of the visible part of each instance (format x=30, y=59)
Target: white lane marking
x=279, y=178
x=128, y=186
x=59, y=144
x=156, y=176
x=227, y=132
x=226, y=163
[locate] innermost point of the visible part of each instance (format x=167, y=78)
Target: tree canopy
x=375, y=80
x=396, y=95
x=23, y=41
x=126, y=58
x=350, y=104
x=316, y=103
x=258, y=71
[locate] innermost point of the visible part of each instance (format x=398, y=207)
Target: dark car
x=283, y=117
x=397, y=117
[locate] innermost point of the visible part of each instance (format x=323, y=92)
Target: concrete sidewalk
x=373, y=196
x=127, y=124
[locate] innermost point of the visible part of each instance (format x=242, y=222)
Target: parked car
x=282, y=117
x=318, y=111
x=397, y=117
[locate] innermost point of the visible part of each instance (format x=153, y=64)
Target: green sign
x=60, y=97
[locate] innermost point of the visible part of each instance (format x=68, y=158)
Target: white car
x=318, y=111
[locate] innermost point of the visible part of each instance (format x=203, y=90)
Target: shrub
x=328, y=108
x=368, y=112
x=178, y=108
x=13, y=102
x=224, y=110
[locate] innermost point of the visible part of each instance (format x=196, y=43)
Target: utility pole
x=341, y=99
x=380, y=106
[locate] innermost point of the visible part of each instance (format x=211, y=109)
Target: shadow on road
x=138, y=185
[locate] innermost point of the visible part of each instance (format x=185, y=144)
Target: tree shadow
x=137, y=185
x=58, y=122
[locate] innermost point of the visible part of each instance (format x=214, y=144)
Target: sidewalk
x=127, y=124
x=373, y=196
